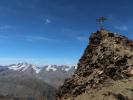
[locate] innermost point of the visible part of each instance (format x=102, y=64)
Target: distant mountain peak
x=51, y=68
x=24, y=66
x=59, y=67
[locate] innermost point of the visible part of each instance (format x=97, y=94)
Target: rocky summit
x=105, y=71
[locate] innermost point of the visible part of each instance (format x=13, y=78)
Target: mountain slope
x=105, y=71
x=21, y=87
x=55, y=75
x=24, y=67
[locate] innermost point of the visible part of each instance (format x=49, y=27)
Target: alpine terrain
x=25, y=81
x=104, y=72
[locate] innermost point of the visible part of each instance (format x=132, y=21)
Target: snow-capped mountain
x=54, y=75
x=24, y=67
x=59, y=67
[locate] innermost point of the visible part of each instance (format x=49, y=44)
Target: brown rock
x=107, y=59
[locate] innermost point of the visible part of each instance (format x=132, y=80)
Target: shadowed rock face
x=107, y=61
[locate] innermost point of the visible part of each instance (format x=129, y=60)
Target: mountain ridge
x=106, y=61
x=53, y=75
x=24, y=81
x=24, y=66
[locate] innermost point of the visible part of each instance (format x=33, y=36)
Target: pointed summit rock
x=105, y=71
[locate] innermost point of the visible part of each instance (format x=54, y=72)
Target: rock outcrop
x=105, y=71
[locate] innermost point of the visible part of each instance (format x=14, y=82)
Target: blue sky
x=56, y=31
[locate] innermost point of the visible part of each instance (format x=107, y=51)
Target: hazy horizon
x=37, y=61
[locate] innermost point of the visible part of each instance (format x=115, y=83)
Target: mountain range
x=39, y=82
x=48, y=73
x=23, y=67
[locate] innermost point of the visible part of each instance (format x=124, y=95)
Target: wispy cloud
x=28, y=38
x=122, y=28
x=82, y=38
x=47, y=21
x=39, y=38
x=3, y=37
x=5, y=27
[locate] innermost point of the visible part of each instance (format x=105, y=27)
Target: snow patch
x=23, y=67
x=51, y=68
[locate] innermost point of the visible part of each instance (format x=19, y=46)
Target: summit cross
x=100, y=21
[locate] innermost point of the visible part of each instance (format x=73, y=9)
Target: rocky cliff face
x=105, y=71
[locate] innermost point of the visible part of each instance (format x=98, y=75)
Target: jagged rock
x=106, y=61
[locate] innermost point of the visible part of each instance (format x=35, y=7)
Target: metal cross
x=100, y=20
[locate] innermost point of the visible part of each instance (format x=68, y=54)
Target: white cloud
x=122, y=28
x=47, y=21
